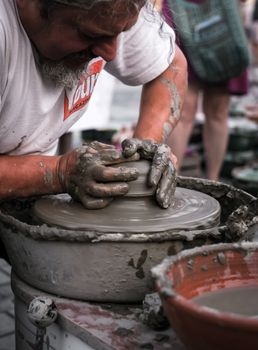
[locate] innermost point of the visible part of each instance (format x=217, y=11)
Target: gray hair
x=48, y=5
x=88, y=4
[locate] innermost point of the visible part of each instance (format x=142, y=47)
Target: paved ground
x=7, y=337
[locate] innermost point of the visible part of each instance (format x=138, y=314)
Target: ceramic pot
x=213, y=268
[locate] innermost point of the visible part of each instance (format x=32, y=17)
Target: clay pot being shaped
x=210, y=296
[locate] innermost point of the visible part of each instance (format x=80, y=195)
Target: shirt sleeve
x=144, y=51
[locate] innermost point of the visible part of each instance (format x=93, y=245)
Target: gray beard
x=61, y=75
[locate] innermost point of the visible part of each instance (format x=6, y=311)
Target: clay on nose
x=105, y=49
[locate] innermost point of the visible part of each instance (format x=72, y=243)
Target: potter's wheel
x=190, y=210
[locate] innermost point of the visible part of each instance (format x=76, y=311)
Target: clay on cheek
x=175, y=108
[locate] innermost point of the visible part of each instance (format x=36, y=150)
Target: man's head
x=68, y=33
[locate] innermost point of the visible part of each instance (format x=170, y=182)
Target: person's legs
x=215, y=133
x=178, y=139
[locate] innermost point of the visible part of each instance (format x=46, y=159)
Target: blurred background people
x=252, y=113
x=254, y=32
x=215, y=100
x=251, y=110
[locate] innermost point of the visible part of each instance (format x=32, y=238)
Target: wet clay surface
x=238, y=300
x=189, y=210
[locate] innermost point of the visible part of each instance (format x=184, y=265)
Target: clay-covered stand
x=106, y=270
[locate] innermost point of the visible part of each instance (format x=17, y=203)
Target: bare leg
x=178, y=139
x=215, y=136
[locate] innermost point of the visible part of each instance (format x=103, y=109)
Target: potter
x=53, y=53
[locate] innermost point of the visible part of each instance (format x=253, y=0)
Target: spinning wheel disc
x=190, y=210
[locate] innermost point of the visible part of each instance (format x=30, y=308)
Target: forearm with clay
x=86, y=173
x=23, y=176
x=162, y=100
x=160, y=110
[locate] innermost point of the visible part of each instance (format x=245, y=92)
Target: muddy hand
x=163, y=171
x=87, y=174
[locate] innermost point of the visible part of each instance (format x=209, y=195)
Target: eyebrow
x=101, y=32
x=93, y=34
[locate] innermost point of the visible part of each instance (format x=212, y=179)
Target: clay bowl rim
x=170, y=296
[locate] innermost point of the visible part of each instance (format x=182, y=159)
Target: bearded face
x=67, y=37
x=60, y=74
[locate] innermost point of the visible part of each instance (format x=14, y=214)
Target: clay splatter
x=221, y=258
x=139, y=266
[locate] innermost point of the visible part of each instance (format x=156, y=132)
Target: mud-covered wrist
x=61, y=173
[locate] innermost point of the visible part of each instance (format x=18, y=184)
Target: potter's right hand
x=86, y=174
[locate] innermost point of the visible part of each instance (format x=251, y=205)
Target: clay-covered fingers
x=99, y=146
x=113, y=156
x=146, y=148
x=87, y=174
x=90, y=202
x=130, y=147
x=160, y=162
x=163, y=171
x=166, y=186
x=104, y=174
x=102, y=184
x=103, y=190
x=163, y=175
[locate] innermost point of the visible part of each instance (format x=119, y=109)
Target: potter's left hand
x=163, y=171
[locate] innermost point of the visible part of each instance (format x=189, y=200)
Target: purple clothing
x=235, y=86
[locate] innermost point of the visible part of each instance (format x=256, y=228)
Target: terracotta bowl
x=211, y=268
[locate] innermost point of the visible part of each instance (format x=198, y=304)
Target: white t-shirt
x=34, y=113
